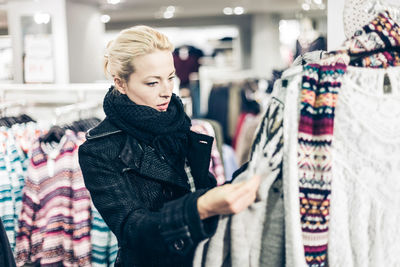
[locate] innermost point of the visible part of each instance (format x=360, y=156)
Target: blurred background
x=47, y=46
x=69, y=35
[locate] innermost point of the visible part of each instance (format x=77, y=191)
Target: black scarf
x=167, y=132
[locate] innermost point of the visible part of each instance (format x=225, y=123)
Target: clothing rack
x=79, y=91
x=43, y=99
x=209, y=75
x=78, y=107
x=11, y=104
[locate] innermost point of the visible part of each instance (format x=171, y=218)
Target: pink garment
x=54, y=225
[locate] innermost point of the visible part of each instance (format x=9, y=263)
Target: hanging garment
x=13, y=163
x=54, y=225
x=318, y=44
x=246, y=136
x=366, y=158
x=234, y=108
x=315, y=148
x=230, y=162
x=6, y=254
x=300, y=240
x=218, y=106
x=235, y=243
x=320, y=86
x=104, y=242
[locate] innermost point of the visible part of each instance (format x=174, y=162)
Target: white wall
x=265, y=45
x=85, y=43
x=56, y=8
x=336, y=35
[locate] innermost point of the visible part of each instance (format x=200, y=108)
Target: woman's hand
x=229, y=198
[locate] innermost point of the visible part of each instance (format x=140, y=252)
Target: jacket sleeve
x=176, y=227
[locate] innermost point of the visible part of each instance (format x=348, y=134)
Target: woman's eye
x=152, y=83
x=171, y=78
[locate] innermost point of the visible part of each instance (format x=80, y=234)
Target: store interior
x=228, y=55
x=62, y=42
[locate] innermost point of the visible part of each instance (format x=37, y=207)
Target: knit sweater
x=12, y=175
x=104, y=242
x=54, y=225
x=238, y=239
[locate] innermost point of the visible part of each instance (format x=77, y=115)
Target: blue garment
x=230, y=161
x=104, y=242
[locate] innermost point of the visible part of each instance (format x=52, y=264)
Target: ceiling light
x=113, y=2
x=227, y=11
x=41, y=18
x=305, y=6
x=318, y=2
x=238, y=10
x=105, y=18
x=168, y=15
x=171, y=9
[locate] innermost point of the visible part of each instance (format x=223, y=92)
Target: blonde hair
x=131, y=43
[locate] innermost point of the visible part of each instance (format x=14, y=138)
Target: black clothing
x=318, y=44
x=6, y=254
x=144, y=200
x=165, y=131
x=218, y=109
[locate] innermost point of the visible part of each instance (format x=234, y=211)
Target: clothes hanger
x=54, y=135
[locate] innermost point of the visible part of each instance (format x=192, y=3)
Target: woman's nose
x=166, y=89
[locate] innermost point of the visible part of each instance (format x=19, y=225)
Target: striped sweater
x=54, y=225
x=104, y=242
x=12, y=174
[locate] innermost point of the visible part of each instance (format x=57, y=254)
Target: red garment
x=241, y=119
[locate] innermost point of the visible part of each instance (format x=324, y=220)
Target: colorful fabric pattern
x=54, y=225
x=320, y=86
x=12, y=178
x=104, y=242
x=318, y=100
x=381, y=33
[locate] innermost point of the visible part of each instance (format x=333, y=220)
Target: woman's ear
x=120, y=85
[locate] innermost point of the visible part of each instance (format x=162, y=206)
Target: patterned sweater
x=12, y=178
x=54, y=225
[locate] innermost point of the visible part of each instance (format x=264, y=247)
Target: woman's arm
x=179, y=225
x=228, y=198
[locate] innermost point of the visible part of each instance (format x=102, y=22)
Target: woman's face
x=153, y=80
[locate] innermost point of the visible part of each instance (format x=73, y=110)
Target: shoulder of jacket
x=103, y=129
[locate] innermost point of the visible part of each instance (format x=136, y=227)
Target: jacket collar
x=144, y=160
x=104, y=128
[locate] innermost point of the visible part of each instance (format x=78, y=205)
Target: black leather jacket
x=145, y=201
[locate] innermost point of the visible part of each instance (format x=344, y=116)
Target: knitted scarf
x=167, y=132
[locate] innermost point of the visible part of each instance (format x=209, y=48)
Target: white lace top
x=365, y=201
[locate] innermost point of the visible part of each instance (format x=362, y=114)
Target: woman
x=146, y=171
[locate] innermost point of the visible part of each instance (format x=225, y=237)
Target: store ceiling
x=134, y=10
x=148, y=9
